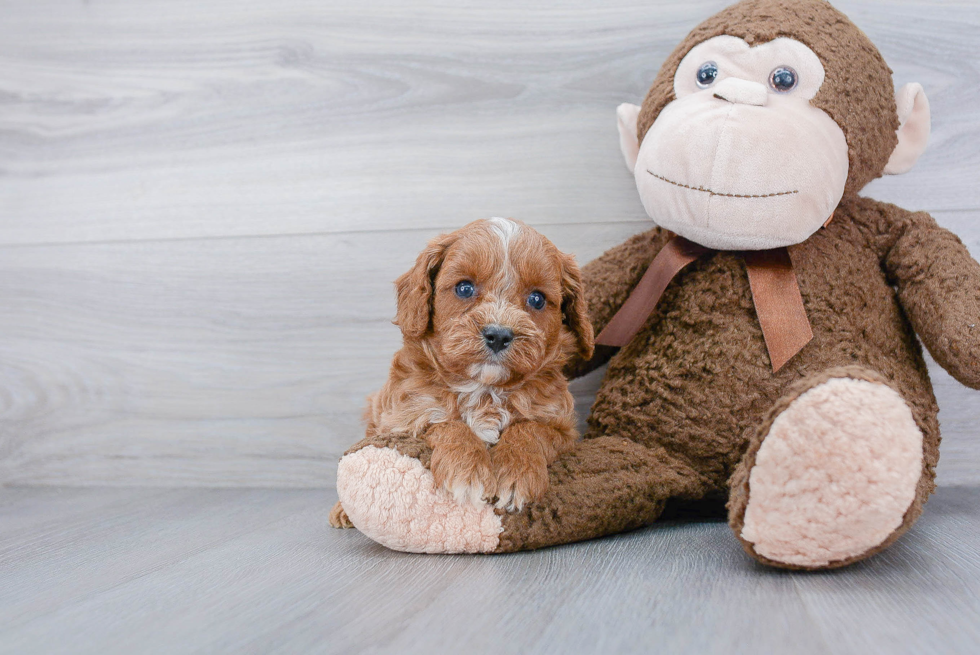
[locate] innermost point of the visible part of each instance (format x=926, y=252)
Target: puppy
x=488, y=314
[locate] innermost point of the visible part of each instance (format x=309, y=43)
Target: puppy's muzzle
x=497, y=338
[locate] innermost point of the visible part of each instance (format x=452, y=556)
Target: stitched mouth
x=724, y=195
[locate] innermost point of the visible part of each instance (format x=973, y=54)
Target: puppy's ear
x=575, y=313
x=414, y=289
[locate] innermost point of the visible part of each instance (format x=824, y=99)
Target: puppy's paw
x=339, y=518
x=522, y=476
x=465, y=471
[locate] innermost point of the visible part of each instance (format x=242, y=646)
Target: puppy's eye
x=536, y=300
x=465, y=289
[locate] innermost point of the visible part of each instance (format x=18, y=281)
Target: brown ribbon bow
x=775, y=293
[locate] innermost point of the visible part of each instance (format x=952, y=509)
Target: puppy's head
x=495, y=301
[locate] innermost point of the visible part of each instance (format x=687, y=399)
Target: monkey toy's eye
x=783, y=79
x=465, y=289
x=707, y=74
x=536, y=300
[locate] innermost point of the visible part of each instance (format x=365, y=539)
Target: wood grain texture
x=215, y=362
x=204, y=203
x=171, y=119
x=148, y=571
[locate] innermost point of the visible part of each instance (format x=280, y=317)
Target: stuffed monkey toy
x=761, y=339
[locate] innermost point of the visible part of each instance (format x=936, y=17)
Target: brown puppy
x=489, y=314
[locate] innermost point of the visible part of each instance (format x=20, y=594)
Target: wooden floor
x=259, y=571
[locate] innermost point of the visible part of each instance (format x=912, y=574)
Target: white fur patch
x=465, y=493
x=487, y=418
x=392, y=499
x=506, y=230
x=486, y=374
x=835, y=475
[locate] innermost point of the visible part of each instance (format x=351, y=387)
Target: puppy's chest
x=484, y=409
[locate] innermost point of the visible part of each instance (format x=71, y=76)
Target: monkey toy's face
x=741, y=159
x=736, y=151
x=741, y=150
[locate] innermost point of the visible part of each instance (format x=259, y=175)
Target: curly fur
x=448, y=388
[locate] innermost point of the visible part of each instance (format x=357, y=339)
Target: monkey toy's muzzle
x=736, y=168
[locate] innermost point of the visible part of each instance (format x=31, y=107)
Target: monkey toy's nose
x=742, y=92
x=497, y=337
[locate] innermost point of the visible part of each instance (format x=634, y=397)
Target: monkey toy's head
x=762, y=119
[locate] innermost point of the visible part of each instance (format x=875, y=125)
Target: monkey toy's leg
x=837, y=472
x=599, y=486
x=602, y=486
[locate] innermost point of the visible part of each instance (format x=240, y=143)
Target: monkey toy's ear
x=626, y=115
x=913, y=129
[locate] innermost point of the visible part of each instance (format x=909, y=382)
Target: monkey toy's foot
x=392, y=498
x=832, y=479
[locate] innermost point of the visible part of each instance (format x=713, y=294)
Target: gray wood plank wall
x=203, y=204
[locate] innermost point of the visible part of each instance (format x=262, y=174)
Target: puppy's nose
x=497, y=337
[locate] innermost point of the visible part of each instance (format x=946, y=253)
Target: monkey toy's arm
x=608, y=281
x=938, y=284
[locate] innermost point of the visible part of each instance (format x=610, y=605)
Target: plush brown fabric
x=857, y=91
x=695, y=385
x=605, y=485
x=405, y=444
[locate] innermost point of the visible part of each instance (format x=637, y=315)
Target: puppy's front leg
x=521, y=459
x=460, y=462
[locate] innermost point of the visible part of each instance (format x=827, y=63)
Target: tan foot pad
x=392, y=499
x=835, y=475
